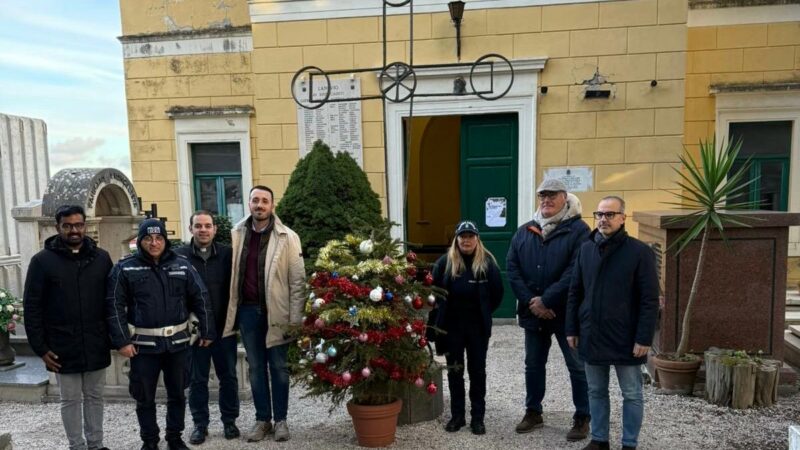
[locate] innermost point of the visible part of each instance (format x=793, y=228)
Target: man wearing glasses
x=150, y=295
x=539, y=264
x=64, y=319
x=614, y=278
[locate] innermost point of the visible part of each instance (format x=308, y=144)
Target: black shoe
x=455, y=424
x=477, y=426
x=198, y=435
x=150, y=446
x=530, y=422
x=177, y=444
x=231, y=431
x=596, y=445
x=579, y=430
x=628, y=447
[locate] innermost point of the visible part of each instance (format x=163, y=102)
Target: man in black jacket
x=611, y=318
x=539, y=263
x=213, y=262
x=153, y=293
x=65, y=322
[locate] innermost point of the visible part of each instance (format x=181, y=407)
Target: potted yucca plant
x=710, y=189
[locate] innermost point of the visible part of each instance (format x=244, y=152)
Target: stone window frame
x=191, y=129
x=762, y=106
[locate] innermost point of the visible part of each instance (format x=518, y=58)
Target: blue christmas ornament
x=389, y=296
x=335, y=275
x=332, y=351
x=353, y=311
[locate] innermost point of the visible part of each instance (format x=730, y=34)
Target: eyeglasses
x=151, y=238
x=547, y=195
x=72, y=226
x=607, y=214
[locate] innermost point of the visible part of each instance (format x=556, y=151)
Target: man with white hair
x=539, y=264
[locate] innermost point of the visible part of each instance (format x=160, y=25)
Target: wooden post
x=719, y=378
x=766, y=389
x=744, y=385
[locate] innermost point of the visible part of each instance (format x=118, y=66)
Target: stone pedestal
x=116, y=388
x=419, y=405
x=741, y=298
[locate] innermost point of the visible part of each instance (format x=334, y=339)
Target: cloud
x=75, y=151
x=42, y=58
x=89, y=152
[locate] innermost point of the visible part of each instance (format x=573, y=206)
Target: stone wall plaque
x=577, y=179
x=337, y=123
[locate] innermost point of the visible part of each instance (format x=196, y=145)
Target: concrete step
x=795, y=329
x=792, y=316
x=791, y=348
x=792, y=297
x=27, y=383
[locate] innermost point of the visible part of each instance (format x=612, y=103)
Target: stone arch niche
x=109, y=199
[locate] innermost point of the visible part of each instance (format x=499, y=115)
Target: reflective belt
x=160, y=332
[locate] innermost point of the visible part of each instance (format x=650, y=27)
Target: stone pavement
x=670, y=422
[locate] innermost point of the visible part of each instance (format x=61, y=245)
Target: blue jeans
x=275, y=404
x=537, y=348
x=223, y=352
x=630, y=383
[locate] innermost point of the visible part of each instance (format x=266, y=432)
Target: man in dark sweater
x=64, y=299
x=213, y=263
x=267, y=293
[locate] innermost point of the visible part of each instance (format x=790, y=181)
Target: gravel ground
x=670, y=422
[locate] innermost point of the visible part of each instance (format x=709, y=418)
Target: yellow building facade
x=209, y=87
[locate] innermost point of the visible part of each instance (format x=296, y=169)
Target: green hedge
x=327, y=197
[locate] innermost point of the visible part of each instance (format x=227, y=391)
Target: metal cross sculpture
x=398, y=80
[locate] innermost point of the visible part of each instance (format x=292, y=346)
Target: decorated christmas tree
x=363, y=336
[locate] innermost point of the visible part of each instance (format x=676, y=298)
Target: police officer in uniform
x=150, y=296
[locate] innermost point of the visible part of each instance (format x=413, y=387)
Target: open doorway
x=462, y=167
x=434, y=195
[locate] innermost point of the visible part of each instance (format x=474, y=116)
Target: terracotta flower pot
x=677, y=377
x=375, y=425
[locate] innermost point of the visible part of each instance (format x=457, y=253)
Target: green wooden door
x=489, y=186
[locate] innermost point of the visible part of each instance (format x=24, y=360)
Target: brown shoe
x=579, y=430
x=597, y=445
x=530, y=422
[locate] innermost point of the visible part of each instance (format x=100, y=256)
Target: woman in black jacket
x=470, y=274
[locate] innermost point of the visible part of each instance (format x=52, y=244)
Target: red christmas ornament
x=412, y=271
x=417, y=303
x=428, y=280
x=422, y=342
x=395, y=375
x=411, y=257
x=432, y=388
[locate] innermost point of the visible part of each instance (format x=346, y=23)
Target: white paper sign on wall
x=577, y=179
x=496, y=212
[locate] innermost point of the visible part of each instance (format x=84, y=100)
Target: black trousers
x=465, y=333
x=145, y=369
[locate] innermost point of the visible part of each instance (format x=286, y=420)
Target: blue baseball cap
x=466, y=226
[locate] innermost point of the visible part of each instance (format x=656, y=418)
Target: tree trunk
x=766, y=390
x=687, y=315
x=719, y=378
x=744, y=385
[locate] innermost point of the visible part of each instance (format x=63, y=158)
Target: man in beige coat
x=267, y=282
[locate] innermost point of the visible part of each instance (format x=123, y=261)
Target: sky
x=60, y=61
